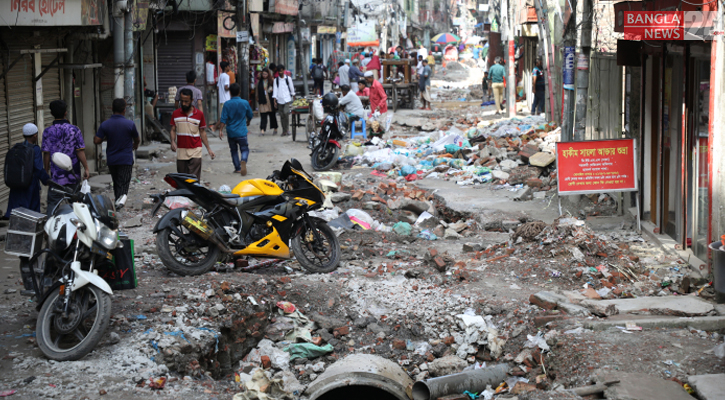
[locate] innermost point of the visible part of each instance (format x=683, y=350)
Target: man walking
x=223, y=84
x=319, y=74
x=539, y=88
x=424, y=82
x=495, y=76
x=197, y=101
x=237, y=116
x=28, y=197
x=63, y=137
x=123, y=140
x=283, y=94
x=354, y=72
x=189, y=125
x=344, y=73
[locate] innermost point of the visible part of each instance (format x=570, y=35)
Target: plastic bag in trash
x=427, y=235
x=407, y=170
x=224, y=189
x=175, y=202
x=402, y=228
x=307, y=350
x=536, y=341
x=360, y=215
x=85, y=187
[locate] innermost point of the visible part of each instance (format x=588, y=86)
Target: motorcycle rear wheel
x=71, y=338
x=164, y=240
x=317, y=257
x=323, y=162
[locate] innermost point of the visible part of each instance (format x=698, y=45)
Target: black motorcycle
x=326, y=145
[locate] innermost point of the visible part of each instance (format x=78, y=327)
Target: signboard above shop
x=52, y=13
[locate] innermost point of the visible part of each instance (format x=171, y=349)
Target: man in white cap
x=25, y=194
x=344, y=73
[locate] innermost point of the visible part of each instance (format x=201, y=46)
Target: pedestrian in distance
x=63, y=137
x=188, y=133
x=354, y=72
x=265, y=90
x=123, y=140
x=237, y=116
x=223, y=85
x=190, y=80
x=24, y=172
x=351, y=104
x=283, y=94
x=344, y=73
x=378, y=98
x=424, y=82
x=484, y=88
x=363, y=89
x=319, y=74
x=539, y=87
x=496, y=77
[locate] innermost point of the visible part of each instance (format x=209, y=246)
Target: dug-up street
x=454, y=258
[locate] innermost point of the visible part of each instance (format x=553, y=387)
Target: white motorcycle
x=59, y=261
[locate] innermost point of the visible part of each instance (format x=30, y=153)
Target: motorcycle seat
x=228, y=195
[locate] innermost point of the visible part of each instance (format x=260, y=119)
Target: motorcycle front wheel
x=70, y=337
x=324, y=158
x=186, y=254
x=317, y=253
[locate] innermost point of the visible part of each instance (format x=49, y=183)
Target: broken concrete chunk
x=577, y=254
x=498, y=174
x=447, y=365
x=542, y=159
x=340, y=197
x=508, y=165
x=471, y=247
x=708, y=387
x=523, y=194
x=640, y=387
x=685, y=306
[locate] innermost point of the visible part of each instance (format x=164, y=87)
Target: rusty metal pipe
x=474, y=381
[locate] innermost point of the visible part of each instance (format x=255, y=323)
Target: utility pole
x=582, y=75
x=129, y=76
x=511, y=80
x=567, y=125
x=301, y=54
x=243, y=49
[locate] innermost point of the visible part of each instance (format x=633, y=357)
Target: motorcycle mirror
x=62, y=161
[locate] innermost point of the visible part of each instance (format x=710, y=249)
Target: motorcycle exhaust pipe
x=198, y=226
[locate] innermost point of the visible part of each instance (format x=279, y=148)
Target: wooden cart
x=399, y=84
x=297, y=120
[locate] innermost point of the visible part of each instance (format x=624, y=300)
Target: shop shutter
x=51, y=87
x=20, y=96
x=175, y=59
x=4, y=136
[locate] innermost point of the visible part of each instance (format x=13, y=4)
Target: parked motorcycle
x=325, y=145
x=260, y=218
x=74, y=302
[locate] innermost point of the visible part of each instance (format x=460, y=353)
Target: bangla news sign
x=51, y=12
x=596, y=166
x=667, y=25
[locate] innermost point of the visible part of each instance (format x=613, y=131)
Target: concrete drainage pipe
x=474, y=381
x=363, y=377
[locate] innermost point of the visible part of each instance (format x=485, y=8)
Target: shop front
x=676, y=152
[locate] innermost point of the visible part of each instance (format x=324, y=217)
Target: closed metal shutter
x=175, y=58
x=51, y=87
x=20, y=97
x=4, y=137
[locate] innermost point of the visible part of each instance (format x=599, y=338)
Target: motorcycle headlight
x=107, y=237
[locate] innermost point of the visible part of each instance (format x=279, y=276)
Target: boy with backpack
x=24, y=172
x=319, y=74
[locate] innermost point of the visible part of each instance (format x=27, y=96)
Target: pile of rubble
x=515, y=153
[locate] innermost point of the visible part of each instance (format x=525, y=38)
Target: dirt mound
x=455, y=67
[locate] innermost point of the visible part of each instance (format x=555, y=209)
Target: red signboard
x=654, y=25
x=596, y=166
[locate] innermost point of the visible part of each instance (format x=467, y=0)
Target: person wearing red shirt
x=375, y=65
x=378, y=98
x=363, y=89
x=188, y=132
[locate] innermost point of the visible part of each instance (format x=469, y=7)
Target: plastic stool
x=362, y=133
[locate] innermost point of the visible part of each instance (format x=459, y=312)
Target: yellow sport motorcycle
x=261, y=218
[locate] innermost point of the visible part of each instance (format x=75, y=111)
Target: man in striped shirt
x=188, y=132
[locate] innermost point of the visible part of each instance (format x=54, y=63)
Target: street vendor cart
x=399, y=84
